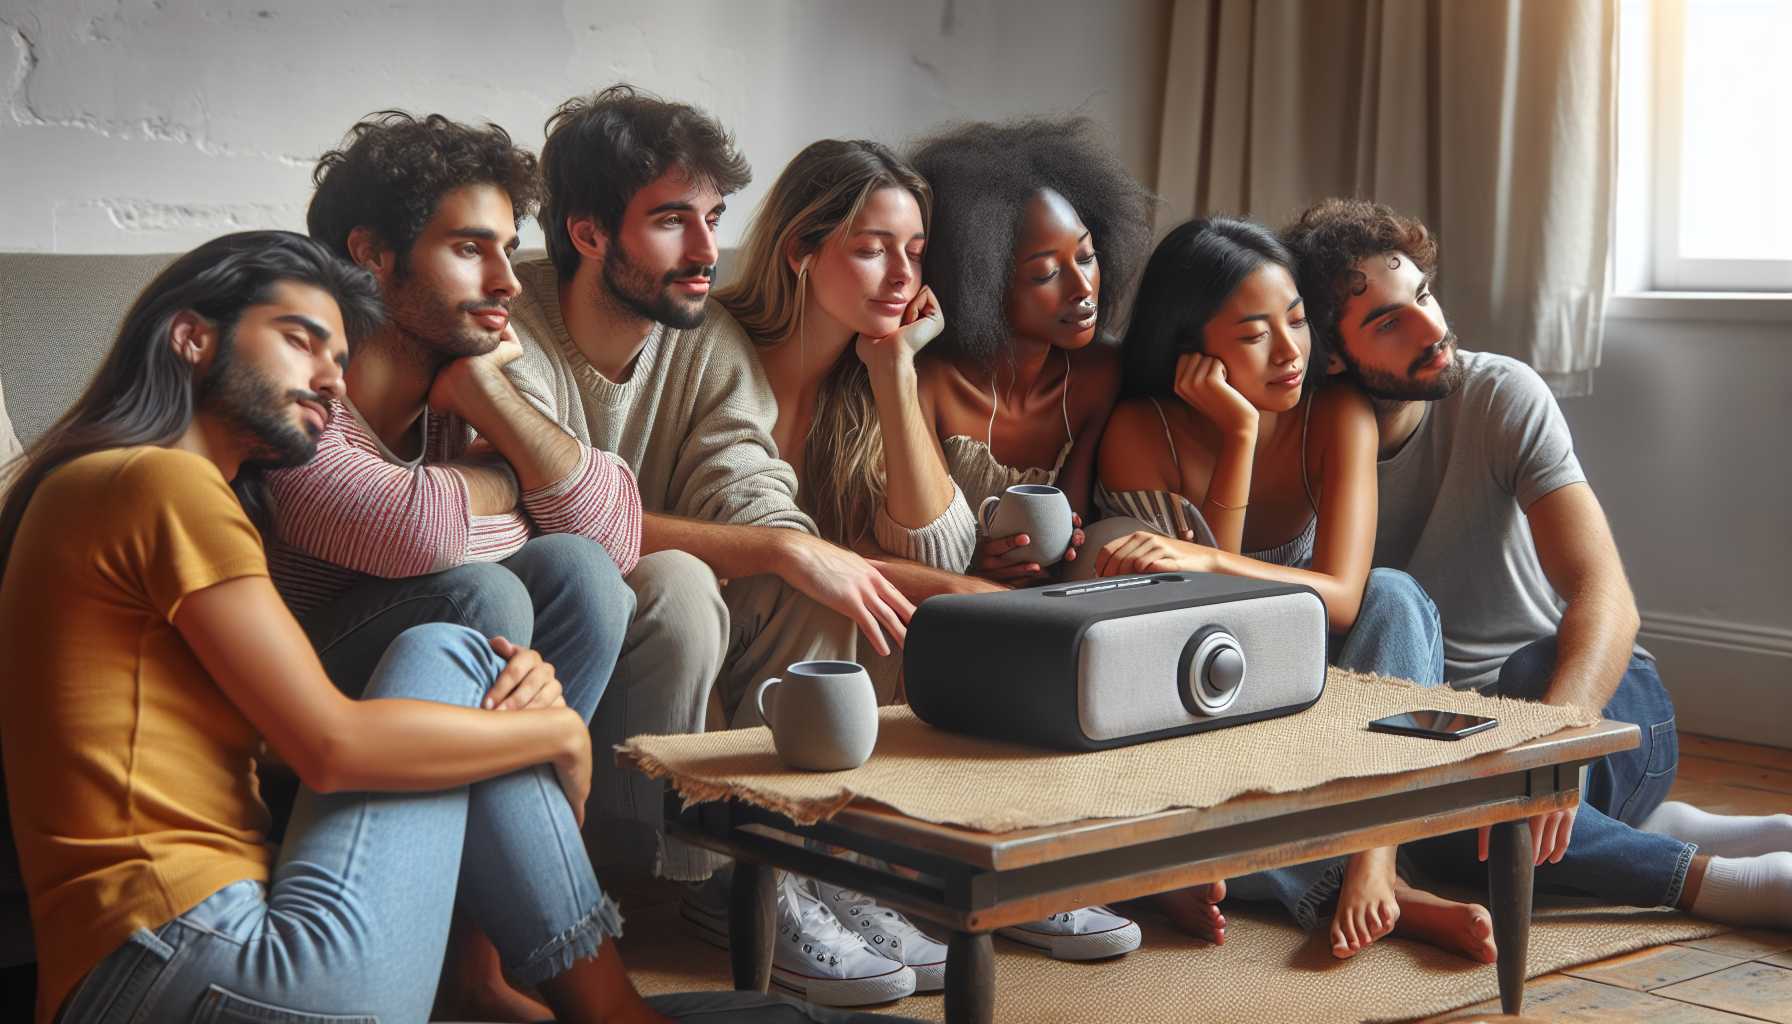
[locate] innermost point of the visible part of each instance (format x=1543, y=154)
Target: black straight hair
x=143, y=392
x=1196, y=267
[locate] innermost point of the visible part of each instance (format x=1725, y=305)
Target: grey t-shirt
x=1453, y=502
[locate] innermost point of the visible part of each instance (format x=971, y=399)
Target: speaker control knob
x=1225, y=670
x=1212, y=671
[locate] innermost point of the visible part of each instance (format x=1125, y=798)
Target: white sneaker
x=812, y=953
x=817, y=958
x=889, y=934
x=1090, y=933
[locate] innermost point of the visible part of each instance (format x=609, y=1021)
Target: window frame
x=1666, y=270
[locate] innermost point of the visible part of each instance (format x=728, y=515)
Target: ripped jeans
x=353, y=925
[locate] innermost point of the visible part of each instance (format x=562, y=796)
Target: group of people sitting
x=551, y=504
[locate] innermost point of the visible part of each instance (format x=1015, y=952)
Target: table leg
x=970, y=996
x=752, y=914
x=1509, y=876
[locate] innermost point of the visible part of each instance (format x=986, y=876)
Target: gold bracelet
x=1230, y=508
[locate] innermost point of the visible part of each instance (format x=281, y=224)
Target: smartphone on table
x=1438, y=725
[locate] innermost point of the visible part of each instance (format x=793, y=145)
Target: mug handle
x=986, y=511
x=759, y=699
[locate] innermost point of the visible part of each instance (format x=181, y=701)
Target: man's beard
x=252, y=404
x=1389, y=387
x=638, y=291
x=442, y=332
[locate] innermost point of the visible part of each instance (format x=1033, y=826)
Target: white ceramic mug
x=1040, y=511
x=823, y=715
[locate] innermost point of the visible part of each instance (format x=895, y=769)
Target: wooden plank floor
x=1737, y=978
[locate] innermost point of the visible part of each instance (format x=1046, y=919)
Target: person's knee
x=679, y=610
x=1526, y=673
x=491, y=601
x=1396, y=632
x=441, y=662
x=574, y=578
x=577, y=560
x=1394, y=600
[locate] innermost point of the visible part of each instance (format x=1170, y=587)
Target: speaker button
x=1212, y=671
x=1225, y=670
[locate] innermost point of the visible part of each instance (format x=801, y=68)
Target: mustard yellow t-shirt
x=130, y=774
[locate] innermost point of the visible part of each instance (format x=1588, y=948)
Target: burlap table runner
x=941, y=777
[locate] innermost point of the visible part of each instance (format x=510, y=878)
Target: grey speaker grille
x=1127, y=668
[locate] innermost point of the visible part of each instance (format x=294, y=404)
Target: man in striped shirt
x=438, y=494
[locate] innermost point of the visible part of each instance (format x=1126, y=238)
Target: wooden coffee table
x=975, y=882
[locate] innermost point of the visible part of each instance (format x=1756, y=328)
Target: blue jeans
x=1396, y=633
x=1608, y=857
x=355, y=918
x=560, y=594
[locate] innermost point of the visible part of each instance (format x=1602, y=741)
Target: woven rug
x=1268, y=970
x=983, y=784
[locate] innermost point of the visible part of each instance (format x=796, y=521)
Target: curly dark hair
x=982, y=175
x=1191, y=273
x=393, y=168
x=1329, y=239
x=603, y=148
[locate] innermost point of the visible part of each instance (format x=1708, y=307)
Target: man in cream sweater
x=623, y=350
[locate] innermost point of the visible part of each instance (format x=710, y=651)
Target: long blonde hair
x=818, y=196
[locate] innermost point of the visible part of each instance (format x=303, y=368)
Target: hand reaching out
x=847, y=583
x=1143, y=551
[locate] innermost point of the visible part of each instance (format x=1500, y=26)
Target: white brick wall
x=151, y=125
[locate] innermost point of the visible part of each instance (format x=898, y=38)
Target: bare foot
x=472, y=985
x=1367, y=909
x=491, y=1000
x=1196, y=911
x=1462, y=928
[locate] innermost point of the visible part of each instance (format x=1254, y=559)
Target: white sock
x=1722, y=835
x=1748, y=890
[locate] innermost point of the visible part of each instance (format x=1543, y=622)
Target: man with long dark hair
x=152, y=660
x=1483, y=501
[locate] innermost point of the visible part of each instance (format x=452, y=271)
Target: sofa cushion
x=58, y=316
x=9, y=440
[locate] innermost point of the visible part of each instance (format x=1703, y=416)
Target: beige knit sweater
x=693, y=420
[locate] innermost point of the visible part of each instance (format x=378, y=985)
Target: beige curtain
x=1492, y=120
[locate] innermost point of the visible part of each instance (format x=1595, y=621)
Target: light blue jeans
x=1397, y=633
x=354, y=923
x=560, y=594
x=1608, y=857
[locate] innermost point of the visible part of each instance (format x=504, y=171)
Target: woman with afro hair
x=1037, y=233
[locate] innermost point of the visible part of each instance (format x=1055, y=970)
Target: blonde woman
x=830, y=292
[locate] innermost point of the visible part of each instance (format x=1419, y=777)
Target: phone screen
x=1436, y=721
x=1433, y=723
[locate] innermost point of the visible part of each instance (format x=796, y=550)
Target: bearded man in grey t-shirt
x=1484, y=503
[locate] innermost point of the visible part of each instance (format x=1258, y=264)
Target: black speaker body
x=1109, y=662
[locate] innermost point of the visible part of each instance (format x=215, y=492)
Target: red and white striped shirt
x=357, y=511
